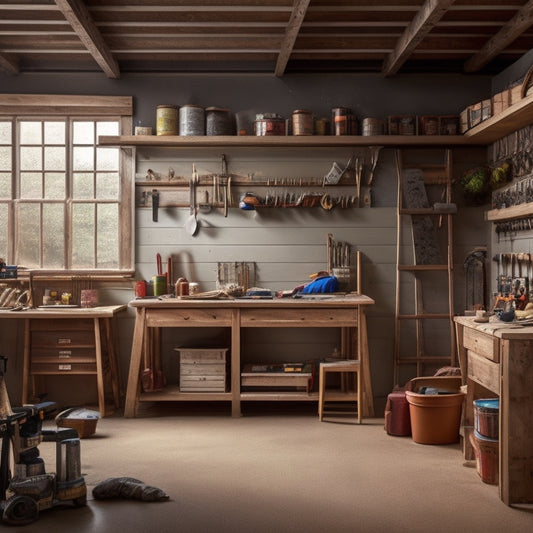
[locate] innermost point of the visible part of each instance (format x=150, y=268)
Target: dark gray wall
x=367, y=95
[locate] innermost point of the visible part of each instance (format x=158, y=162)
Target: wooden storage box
x=202, y=369
x=429, y=125
x=474, y=115
x=463, y=118
x=402, y=125
x=501, y=101
x=449, y=125
x=515, y=93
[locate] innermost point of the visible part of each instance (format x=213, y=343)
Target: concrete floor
x=277, y=470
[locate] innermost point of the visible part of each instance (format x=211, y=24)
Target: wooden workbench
x=344, y=312
x=497, y=360
x=66, y=341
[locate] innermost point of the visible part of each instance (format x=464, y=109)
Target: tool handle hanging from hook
x=155, y=205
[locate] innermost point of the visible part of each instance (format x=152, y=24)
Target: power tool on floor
x=28, y=489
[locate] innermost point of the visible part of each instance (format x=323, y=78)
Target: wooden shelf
x=508, y=213
x=513, y=118
x=310, y=141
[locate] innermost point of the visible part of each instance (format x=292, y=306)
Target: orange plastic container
x=487, y=457
x=435, y=418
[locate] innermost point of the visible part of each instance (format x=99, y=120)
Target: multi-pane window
x=63, y=199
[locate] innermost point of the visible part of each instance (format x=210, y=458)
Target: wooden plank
x=299, y=11
x=43, y=104
x=516, y=430
x=82, y=23
x=288, y=140
x=156, y=318
x=520, y=23
x=423, y=22
x=482, y=343
x=484, y=371
x=513, y=118
x=289, y=318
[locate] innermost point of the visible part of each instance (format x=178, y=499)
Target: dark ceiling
x=280, y=36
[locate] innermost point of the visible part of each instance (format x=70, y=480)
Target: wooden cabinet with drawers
x=68, y=342
x=497, y=361
x=62, y=347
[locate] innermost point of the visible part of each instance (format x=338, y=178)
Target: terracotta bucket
x=435, y=418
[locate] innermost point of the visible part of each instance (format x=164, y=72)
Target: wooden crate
x=501, y=101
x=449, y=125
x=402, y=125
x=202, y=369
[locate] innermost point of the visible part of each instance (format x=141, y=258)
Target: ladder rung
x=423, y=359
x=424, y=316
x=421, y=268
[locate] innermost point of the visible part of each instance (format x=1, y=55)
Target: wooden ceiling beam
x=423, y=22
x=291, y=33
x=9, y=64
x=510, y=31
x=79, y=18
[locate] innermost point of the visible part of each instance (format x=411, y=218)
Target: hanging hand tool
x=155, y=204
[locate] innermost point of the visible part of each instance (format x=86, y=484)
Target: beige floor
x=278, y=470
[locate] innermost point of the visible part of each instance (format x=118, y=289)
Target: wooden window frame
x=120, y=108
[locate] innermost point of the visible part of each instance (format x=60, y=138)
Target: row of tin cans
x=193, y=120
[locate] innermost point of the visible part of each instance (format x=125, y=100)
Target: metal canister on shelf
x=373, y=126
x=341, y=121
x=269, y=124
x=192, y=120
x=167, y=120
x=218, y=121
x=321, y=126
x=302, y=122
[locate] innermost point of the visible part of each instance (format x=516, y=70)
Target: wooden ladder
x=424, y=327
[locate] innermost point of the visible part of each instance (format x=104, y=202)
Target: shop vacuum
x=28, y=489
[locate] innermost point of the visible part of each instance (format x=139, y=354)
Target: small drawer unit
x=202, y=369
x=65, y=347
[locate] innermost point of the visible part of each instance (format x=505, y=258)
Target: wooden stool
x=346, y=366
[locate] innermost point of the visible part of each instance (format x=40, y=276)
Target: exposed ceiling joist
x=521, y=21
x=79, y=18
x=423, y=22
x=291, y=34
x=272, y=36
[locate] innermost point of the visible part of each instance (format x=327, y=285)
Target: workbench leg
x=26, y=362
x=133, y=386
x=99, y=367
x=112, y=357
x=236, y=364
x=368, y=402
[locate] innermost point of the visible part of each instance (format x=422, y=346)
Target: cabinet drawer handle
x=65, y=354
x=65, y=367
x=64, y=340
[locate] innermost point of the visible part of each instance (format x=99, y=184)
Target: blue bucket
x=486, y=417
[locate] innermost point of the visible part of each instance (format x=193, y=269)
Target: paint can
x=167, y=120
x=269, y=124
x=160, y=285
x=192, y=120
x=218, y=121
x=343, y=121
x=372, y=126
x=302, y=122
x=321, y=126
